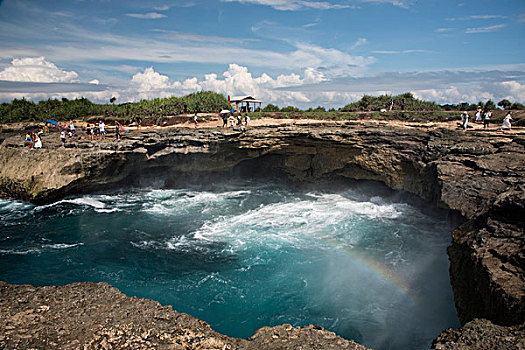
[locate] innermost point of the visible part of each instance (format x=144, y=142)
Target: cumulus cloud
x=496, y=91
x=150, y=80
x=237, y=80
x=513, y=90
x=36, y=69
x=309, y=88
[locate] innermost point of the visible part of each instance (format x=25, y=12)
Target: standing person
x=89, y=132
x=102, y=129
x=38, y=142
x=486, y=119
x=239, y=119
x=246, y=119
x=117, y=130
x=224, y=120
x=196, y=120
x=506, y=122
x=464, y=119
x=63, y=137
x=232, y=120
x=478, y=115
x=72, y=128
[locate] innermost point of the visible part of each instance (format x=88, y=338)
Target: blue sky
x=295, y=52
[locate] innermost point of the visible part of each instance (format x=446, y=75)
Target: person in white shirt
x=486, y=119
x=506, y=122
x=464, y=119
x=478, y=116
x=101, y=127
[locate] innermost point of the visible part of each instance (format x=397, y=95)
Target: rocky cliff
x=478, y=174
x=98, y=316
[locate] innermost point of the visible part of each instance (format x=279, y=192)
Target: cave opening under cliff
x=247, y=247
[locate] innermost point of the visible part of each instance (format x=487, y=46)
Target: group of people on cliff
x=95, y=131
x=485, y=117
x=35, y=141
x=229, y=120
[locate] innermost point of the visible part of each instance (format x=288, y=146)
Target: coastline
x=434, y=162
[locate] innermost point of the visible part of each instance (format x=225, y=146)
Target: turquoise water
x=362, y=263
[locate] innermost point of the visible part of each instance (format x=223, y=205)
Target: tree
x=463, y=106
x=481, y=105
x=517, y=106
x=112, y=99
x=271, y=108
x=490, y=105
x=290, y=109
x=505, y=104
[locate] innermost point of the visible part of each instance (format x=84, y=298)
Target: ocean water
x=365, y=264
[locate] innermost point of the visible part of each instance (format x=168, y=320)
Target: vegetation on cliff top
x=400, y=107
x=24, y=110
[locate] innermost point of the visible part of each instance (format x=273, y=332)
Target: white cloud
x=237, y=80
x=451, y=95
x=488, y=29
x=471, y=93
x=161, y=8
x=150, y=81
x=309, y=89
x=394, y=52
x=476, y=17
x=513, y=90
x=400, y=3
x=359, y=42
x=178, y=36
x=331, y=61
x=292, y=5
x=149, y=15
x=36, y=69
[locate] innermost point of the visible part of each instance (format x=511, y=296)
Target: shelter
x=242, y=103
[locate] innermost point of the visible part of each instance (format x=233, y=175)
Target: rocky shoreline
x=98, y=316
x=478, y=174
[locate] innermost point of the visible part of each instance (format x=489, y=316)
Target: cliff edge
x=478, y=174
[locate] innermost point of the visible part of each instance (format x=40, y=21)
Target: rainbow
x=377, y=268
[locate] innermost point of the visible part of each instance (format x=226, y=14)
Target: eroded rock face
x=478, y=174
x=488, y=257
x=98, y=316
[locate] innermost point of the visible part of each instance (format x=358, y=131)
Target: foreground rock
x=98, y=316
x=477, y=174
x=482, y=335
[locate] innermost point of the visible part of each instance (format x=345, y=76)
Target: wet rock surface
x=478, y=174
x=98, y=316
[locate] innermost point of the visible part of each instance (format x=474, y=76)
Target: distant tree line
x=401, y=102
x=489, y=105
x=209, y=102
x=64, y=109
